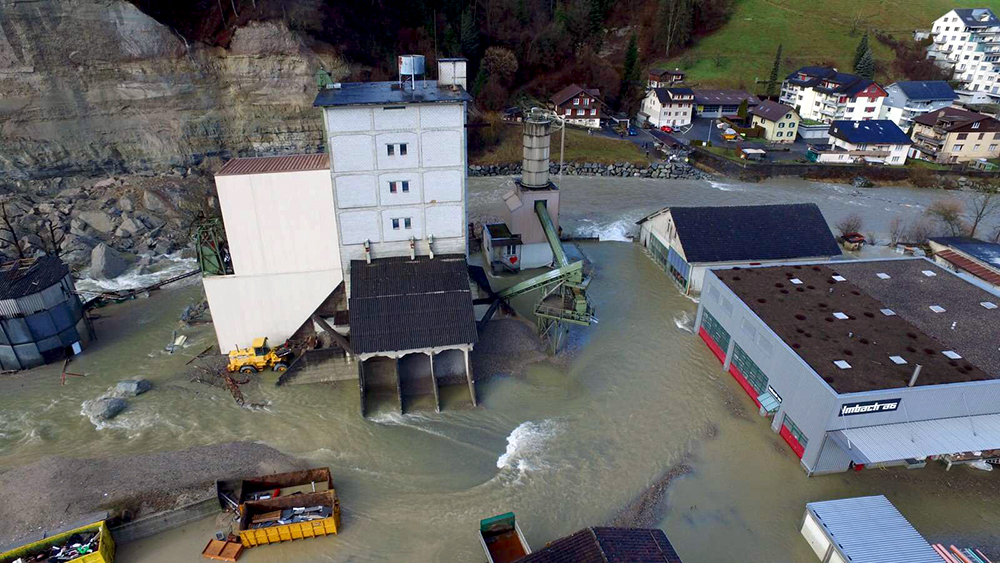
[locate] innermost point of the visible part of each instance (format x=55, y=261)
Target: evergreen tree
x=631, y=73
x=741, y=113
x=595, y=16
x=866, y=66
x=860, y=51
x=772, y=83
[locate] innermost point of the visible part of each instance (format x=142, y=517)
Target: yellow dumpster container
x=252, y=537
x=105, y=552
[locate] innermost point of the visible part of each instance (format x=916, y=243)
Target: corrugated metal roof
x=25, y=277
x=971, y=266
x=608, y=545
x=871, y=530
x=922, y=438
x=272, y=164
x=402, y=304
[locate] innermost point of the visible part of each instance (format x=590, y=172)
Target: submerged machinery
x=530, y=239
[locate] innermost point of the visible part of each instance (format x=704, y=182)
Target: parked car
x=667, y=129
x=632, y=132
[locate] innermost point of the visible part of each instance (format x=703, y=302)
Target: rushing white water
x=684, y=321
x=135, y=277
x=526, y=446
x=621, y=230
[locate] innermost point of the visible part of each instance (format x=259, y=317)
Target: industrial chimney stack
x=537, y=139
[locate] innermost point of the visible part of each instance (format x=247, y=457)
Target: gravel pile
x=505, y=347
x=55, y=491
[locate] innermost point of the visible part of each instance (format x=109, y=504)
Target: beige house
x=780, y=122
x=953, y=135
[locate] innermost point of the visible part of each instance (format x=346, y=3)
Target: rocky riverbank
x=56, y=491
x=677, y=170
x=107, y=224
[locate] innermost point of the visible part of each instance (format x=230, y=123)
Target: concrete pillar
x=468, y=376
x=729, y=354
x=399, y=387
x=361, y=386
x=434, y=383
x=697, y=317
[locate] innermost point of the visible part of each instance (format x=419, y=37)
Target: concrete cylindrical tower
x=537, y=136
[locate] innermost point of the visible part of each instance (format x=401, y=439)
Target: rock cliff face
x=96, y=86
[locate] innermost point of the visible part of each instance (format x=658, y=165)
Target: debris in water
x=65, y=373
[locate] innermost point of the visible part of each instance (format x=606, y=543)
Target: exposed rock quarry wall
x=97, y=86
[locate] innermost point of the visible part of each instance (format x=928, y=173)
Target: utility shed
x=41, y=316
x=686, y=241
x=863, y=530
x=608, y=545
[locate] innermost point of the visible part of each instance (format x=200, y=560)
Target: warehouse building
x=41, y=317
x=969, y=256
x=867, y=363
x=687, y=241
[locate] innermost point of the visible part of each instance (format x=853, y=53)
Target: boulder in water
x=132, y=387
x=106, y=262
x=106, y=409
x=862, y=182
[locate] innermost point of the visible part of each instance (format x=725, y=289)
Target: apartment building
x=908, y=100
x=667, y=106
x=779, y=121
x=952, y=135
x=967, y=41
x=876, y=141
x=579, y=105
x=825, y=95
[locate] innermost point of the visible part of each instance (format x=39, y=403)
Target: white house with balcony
x=908, y=100
x=967, y=41
x=667, y=106
x=825, y=95
x=877, y=141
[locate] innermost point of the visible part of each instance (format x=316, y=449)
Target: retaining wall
x=163, y=521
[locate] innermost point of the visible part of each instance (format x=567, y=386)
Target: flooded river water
x=565, y=445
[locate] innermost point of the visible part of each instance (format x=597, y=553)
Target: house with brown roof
x=780, y=122
x=663, y=78
x=579, y=105
x=951, y=135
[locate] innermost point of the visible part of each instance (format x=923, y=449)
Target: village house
x=667, y=106
x=951, y=135
x=688, y=241
x=966, y=42
x=908, y=100
x=878, y=141
x=662, y=78
x=825, y=95
x=780, y=122
x=579, y=105
x=721, y=103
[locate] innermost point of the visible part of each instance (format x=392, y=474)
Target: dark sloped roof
x=987, y=252
x=749, y=233
x=878, y=131
x=847, y=84
x=927, y=90
x=958, y=120
x=403, y=304
x=24, y=277
x=665, y=95
x=608, y=545
x=971, y=16
x=663, y=71
x=272, y=164
x=560, y=97
x=772, y=111
x=377, y=93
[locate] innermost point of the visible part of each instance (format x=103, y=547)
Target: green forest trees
x=772, y=81
x=864, y=59
x=631, y=86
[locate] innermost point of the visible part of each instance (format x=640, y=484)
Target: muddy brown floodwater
x=636, y=425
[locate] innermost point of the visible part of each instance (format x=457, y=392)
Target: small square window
x=405, y=186
x=989, y=305
x=839, y=278
x=937, y=308
x=898, y=360
x=796, y=281
x=888, y=312
x=951, y=355
x=842, y=364
x=390, y=149
x=928, y=273
x=395, y=224
x=392, y=187
x=406, y=223
x=883, y=276
x=841, y=316
x=402, y=149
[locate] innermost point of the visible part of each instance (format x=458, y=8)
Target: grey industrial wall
x=40, y=328
x=814, y=405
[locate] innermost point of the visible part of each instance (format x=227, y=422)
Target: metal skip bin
x=103, y=553
x=282, y=509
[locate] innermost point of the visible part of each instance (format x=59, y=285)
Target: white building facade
x=876, y=141
x=668, y=106
x=825, y=95
x=967, y=41
x=398, y=166
x=907, y=101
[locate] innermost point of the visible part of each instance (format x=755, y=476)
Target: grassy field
x=917, y=163
x=580, y=147
x=810, y=32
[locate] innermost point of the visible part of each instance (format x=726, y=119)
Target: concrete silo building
x=41, y=317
